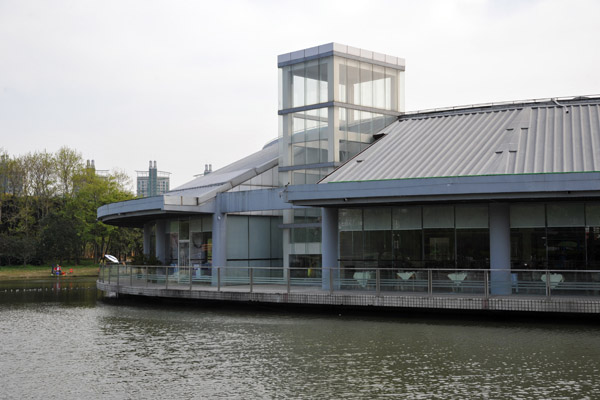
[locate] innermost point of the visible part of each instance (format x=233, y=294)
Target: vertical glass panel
x=391, y=89
x=276, y=238
x=366, y=84
x=201, y=248
x=528, y=248
x=312, y=176
x=184, y=230
x=353, y=125
x=298, y=85
x=196, y=224
x=350, y=219
x=299, y=177
x=378, y=87
x=593, y=247
x=342, y=85
x=324, y=144
x=377, y=219
x=472, y=248
x=313, y=235
x=260, y=237
x=312, y=124
x=343, y=120
x=406, y=218
x=439, y=247
x=299, y=154
x=172, y=227
x=196, y=249
x=438, y=217
x=323, y=79
x=237, y=237
x=566, y=247
x=378, y=246
x=408, y=247
x=184, y=253
x=298, y=127
x=323, y=123
x=297, y=235
x=351, y=245
x=312, y=82
x=565, y=214
x=527, y=216
x=378, y=122
x=366, y=123
x=207, y=223
x=472, y=216
x=173, y=248
x=592, y=214
x=353, y=82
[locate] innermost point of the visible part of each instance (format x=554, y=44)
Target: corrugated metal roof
x=514, y=139
x=228, y=175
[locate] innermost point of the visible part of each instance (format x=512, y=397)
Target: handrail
x=426, y=281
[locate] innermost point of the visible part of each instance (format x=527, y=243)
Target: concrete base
x=517, y=304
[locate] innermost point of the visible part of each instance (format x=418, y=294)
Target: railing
x=477, y=282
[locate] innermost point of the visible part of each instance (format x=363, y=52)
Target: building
x=152, y=182
x=356, y=187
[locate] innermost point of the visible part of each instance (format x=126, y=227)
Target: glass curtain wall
x=368, y=85
x=189, y=241
x=555, y=235
x=414, y=237
x=328, y=132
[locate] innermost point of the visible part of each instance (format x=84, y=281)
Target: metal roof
x=548, y=137
x=232, y=174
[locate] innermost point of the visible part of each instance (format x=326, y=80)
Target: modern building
x=152, y=182
x=355, y=183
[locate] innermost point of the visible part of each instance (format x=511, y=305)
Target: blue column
x=329, y=244
x=147, y=238
x=500, y=277
x=160, y=240
x=219, y=237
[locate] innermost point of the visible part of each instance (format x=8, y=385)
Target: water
x=60, y=342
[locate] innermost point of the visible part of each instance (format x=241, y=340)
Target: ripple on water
x=54, y=349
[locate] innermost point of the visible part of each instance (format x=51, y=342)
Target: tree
x=69, y=164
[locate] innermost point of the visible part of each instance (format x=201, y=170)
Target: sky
x=188, y=83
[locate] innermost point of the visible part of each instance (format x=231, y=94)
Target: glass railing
x=476, y=282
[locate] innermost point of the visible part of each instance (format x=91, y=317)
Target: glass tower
x=332, y=99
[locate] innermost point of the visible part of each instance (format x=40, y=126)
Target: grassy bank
x=37, y=271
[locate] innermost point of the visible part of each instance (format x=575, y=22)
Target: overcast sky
x=190, y=82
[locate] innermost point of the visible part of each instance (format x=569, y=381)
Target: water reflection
x=52, y=348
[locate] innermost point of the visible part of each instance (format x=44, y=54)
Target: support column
x=219, y=238
x=329, y=245
x=160, y=240
x=500, y=276
x=147, y=238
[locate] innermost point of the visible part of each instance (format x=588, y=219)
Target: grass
x=87, y=268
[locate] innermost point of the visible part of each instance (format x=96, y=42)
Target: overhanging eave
x=472, y=188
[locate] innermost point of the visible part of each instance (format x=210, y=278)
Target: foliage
x=48, y=205
x=144, y=259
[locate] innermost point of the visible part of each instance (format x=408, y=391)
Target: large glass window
x=473, y=248
x=408, y=248
x=445, y=236
x=304, y=84
x=439, y=248
x=552, y=236
x=366, y=84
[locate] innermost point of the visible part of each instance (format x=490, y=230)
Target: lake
x=60, y=340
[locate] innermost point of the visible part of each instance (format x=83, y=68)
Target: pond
x=59, y=340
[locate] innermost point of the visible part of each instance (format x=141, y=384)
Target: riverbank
x=43, y=271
